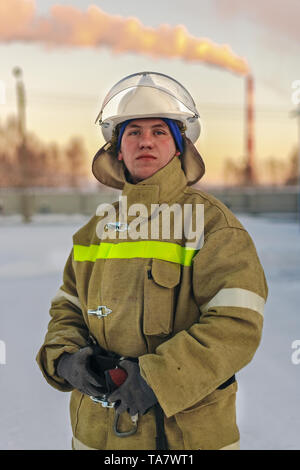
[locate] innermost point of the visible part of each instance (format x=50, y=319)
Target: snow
x=33, y=415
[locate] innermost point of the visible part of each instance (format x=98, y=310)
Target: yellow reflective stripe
x=236, y=297
x=141, y=249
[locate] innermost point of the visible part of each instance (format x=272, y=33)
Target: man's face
x=147, y=145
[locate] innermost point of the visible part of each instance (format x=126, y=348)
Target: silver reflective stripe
x=235, y=297
x=234, y=446
x=61, y=294
x=78, y=445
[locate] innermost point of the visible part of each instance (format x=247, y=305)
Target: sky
x=73, y=52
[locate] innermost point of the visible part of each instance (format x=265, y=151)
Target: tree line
x=34, y=163
x=271, y=171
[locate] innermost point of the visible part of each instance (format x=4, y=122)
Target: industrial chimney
x=250, y=176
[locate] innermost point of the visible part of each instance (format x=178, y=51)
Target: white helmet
x=153, y=95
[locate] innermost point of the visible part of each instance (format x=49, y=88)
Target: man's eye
x=160, y=132
x=133, y=133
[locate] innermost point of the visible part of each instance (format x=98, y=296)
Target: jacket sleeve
x=67, y=331
x=230, y=289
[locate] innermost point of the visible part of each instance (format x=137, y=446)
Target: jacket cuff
x=47, y=362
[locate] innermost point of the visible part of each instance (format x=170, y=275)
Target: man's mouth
x=146, y=157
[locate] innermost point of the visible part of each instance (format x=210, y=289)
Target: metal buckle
x=117, y=226
x=101, y=311
x=103, y=401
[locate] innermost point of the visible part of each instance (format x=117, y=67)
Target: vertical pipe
x=20, y=91
x=250, y=165
x=26, y=208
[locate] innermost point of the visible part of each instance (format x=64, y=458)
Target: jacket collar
x=162, y=187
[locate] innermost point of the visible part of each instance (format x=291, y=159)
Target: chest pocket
x=161, y=280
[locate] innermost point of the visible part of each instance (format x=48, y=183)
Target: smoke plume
x=69, y=26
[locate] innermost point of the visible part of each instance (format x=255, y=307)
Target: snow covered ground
x=35, y=416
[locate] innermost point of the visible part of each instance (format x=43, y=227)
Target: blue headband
x=175, y=133
x=171, y=124
x=121, y=132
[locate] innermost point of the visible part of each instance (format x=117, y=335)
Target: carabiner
x=132, y=431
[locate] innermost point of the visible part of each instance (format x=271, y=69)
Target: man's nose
x=146, y=140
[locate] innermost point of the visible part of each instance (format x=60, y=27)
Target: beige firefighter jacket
x=193, y=317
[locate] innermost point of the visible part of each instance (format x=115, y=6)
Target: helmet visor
x=155, y=80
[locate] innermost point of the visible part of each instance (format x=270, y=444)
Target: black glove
x=134, y=394
x=76, y=369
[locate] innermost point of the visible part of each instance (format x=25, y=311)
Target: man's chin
x=141, y=176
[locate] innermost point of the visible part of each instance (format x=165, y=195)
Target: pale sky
x=65, y=85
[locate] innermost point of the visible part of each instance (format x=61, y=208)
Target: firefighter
x=148, y=330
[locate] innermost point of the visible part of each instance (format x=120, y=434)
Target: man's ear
x=177, y=153
x=120, y=156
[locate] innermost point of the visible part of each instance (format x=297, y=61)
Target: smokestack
x=20, y=91
x=25, y=203
x=250, y=164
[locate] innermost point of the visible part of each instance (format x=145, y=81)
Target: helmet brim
x=193, y=127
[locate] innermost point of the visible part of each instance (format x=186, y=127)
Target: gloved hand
x=108, y=367
x=76, y=369
x=134, y=394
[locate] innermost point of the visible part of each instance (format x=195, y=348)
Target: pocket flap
x=165, y=273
